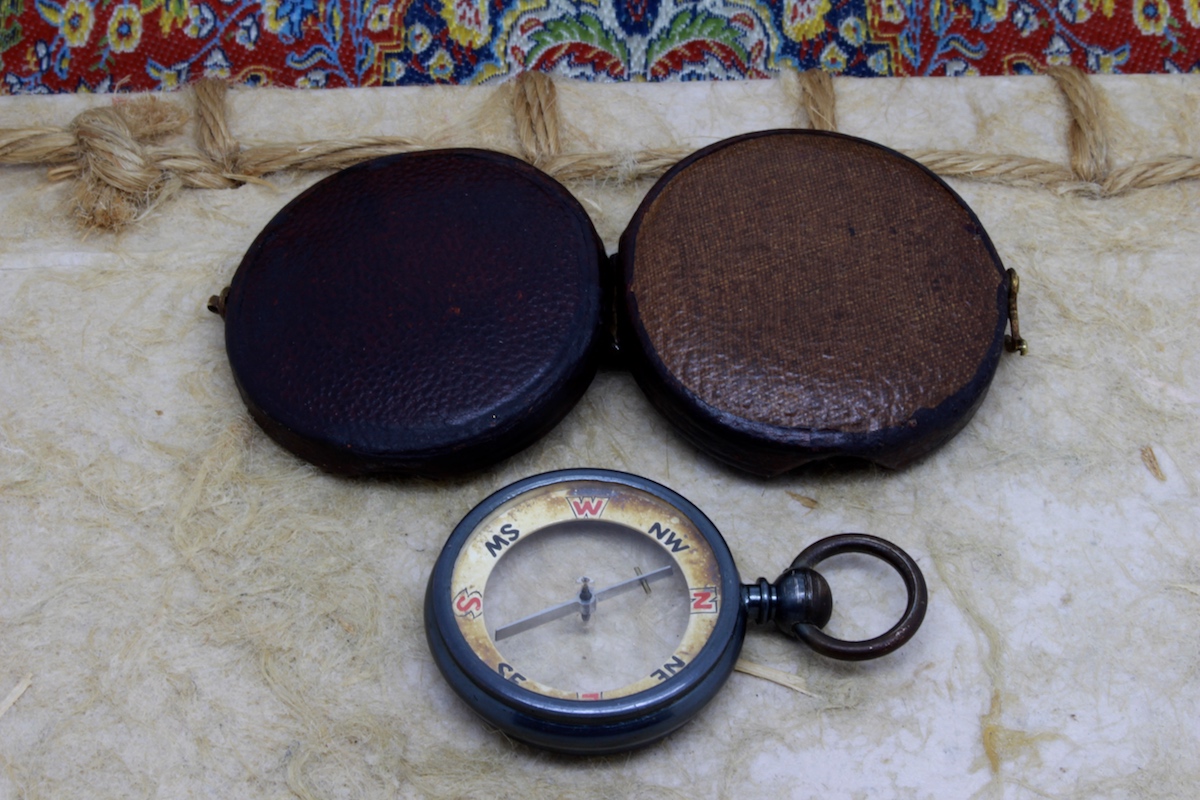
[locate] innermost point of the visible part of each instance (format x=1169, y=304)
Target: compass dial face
x=586, y=590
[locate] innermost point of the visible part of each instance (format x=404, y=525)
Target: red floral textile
x=117, y=45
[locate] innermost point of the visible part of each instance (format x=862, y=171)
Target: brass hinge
x=1014, y=343
x=216, y=303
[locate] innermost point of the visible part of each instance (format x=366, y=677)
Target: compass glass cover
x=586, y=590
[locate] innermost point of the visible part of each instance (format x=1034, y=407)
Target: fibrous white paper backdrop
x=202, y=615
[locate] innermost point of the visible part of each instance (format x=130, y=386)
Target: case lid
x=425, y=313
x=794, y=295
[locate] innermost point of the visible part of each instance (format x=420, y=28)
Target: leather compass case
x=427, y=313
x=781, y=297
x=796, y=295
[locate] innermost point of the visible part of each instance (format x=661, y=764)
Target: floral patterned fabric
x=115, y=45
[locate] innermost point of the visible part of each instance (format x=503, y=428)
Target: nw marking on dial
x=668, y=538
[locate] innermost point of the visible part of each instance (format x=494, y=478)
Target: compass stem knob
x=800, y=596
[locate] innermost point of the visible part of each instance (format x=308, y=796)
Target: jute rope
x=1087, y=141
x=212, y=131
x=1087, y=137
x=818, y=99
x=535, y=109
x=122, y=170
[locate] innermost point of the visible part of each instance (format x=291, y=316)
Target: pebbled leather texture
x=794, y=295
x=426, y=313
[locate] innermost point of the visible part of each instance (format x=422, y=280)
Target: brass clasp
x=1014, y=343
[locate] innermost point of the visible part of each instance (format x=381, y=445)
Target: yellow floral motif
x=1107, y=63
x=833, y=58
x=1058, y=53
x=380, y=18
x=467, y=22
x=804, y=19
x=169, y=77
x=1151, y=16
x=1191, y=8
x=419, y=38
x=270, y=15
x=891, y=11
x=288, y=20
x=174, y=13
x=125, y=28
x=853, y=31
x=217, y=64
x=441, y=66
x=1077, y=12
x=200, y=21
x=335, y=20
x=77, y=20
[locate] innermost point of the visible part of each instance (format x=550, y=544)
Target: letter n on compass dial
x=586, y=590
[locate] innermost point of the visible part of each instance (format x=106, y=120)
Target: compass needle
x=585, y=605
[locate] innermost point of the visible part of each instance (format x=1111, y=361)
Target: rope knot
x=117, y=176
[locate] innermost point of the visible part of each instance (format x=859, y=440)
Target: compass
x=589, y=611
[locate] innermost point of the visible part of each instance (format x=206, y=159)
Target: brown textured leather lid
x=793, y=282
x=425, y=313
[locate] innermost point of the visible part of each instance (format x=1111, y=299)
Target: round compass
x=589, y=611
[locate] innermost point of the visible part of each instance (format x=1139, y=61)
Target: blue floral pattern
x=107, y=45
